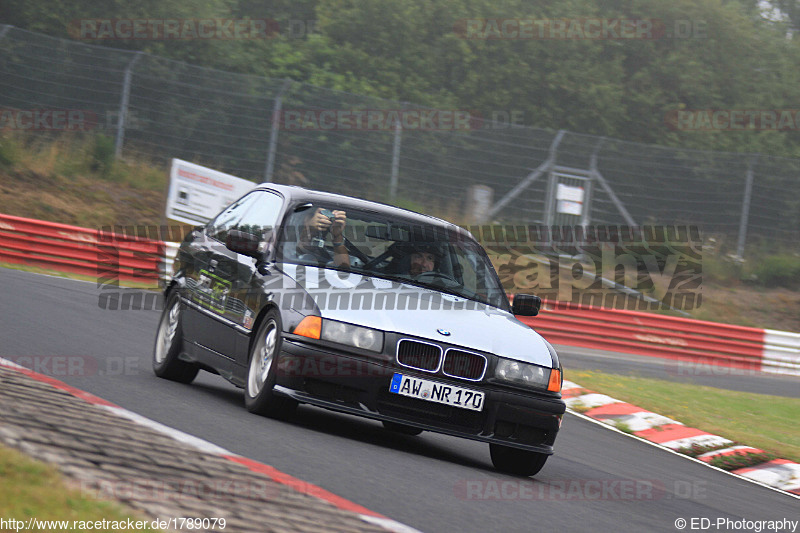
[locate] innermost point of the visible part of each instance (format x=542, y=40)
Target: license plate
x=433, y=391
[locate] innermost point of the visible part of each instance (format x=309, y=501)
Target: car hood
x=420, y=312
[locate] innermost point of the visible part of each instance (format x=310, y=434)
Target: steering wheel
x=436, y=275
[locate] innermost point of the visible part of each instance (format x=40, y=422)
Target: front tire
x=169, y=342
x=259, y=397
x=515, y=461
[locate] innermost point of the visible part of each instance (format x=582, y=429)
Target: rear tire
x=169, y=343
x=401, y=428
x=515, y=461
x=259, y=397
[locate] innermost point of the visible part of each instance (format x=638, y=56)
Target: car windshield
x=373, y=244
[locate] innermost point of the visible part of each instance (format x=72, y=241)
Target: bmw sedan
x=299, y=296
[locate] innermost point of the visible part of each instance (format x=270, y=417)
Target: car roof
x=297, y=194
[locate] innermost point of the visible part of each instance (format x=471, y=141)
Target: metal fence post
x=273, y=134
x=123, y=105
x=593, y=172
x=748, y=194
x=546, y=166
x=398, y=134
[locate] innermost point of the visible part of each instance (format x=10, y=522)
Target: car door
x=250, y=284
x=208, y=283
x=235, y=277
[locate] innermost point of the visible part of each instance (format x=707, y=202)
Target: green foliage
x=103, y=155
x=623, y=426
x=9, y=152
x=778, y=270
x=695, y=450
x=740, y=460
x=729, y=57
x=721, y=269
x=579, y=407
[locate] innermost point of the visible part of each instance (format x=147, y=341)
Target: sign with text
x=570, y=200
x=197, y=194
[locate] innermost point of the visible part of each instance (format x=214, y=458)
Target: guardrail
x=781, y=352
x=89, y=252
x=668, y=337
x=113, y=256
x=170, y=251
x=648, y=334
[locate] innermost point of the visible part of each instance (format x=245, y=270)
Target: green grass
x=31, y=489
x=759, y=420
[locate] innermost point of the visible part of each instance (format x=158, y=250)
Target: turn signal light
x=310, y=326
x=555, y=380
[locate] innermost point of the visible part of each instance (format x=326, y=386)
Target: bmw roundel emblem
x=443, y=332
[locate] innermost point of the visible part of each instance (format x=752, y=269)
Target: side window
x=227, y=220
x=261, y=215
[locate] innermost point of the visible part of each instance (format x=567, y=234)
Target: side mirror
x=243, y=243
x=526, y=305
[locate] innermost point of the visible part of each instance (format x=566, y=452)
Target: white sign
x=570, y=200
x=197, y=194
x=572, y=194
x=569, y=208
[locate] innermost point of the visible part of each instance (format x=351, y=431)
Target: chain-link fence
x=160, y=108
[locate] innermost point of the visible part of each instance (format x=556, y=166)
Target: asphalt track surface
x=430, y=482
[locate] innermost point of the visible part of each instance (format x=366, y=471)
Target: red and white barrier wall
x=97, y=253
x=89, y=252
x=669, y=337
x=781, y=352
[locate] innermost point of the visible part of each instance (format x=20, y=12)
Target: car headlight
x=524, y=374
x=358, y=336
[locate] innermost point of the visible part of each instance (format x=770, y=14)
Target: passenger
x=318, y=224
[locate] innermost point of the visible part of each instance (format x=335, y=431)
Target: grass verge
x=31, y=489
x=759, y=420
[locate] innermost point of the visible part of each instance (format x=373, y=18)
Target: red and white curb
x=276, y=475
x=779, y=474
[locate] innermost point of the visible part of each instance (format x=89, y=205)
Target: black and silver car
x=300, y=296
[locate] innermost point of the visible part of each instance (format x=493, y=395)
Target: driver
x=423, y=258
x=421, y=262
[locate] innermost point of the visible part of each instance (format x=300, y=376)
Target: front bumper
x=360, y=386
